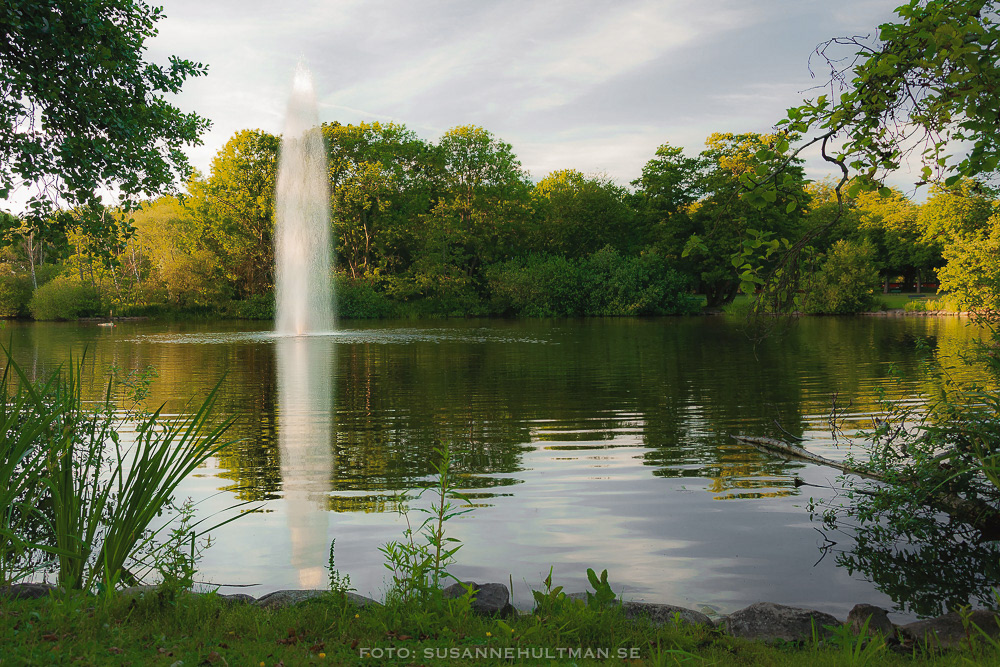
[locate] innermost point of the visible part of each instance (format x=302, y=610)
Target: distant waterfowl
x=110, y=322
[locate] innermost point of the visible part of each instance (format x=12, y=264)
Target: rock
x=360, y=601
x=948, y=632
x=236, y=598
x=663, y=614
x=279, y=599
x=877, y=618
x=769, y=621
x=26, y=591
x=488, y=600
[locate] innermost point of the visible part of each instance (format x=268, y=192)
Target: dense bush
x=358, y=298
x=626, y=286
x=16, y=287
x=845, y=284
x=433, y=289
x=65, y=298
x=15, y=292
x=257, y=307
x=537, y=286
x=606, y=284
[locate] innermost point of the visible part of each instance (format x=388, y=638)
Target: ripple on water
x=345, y=337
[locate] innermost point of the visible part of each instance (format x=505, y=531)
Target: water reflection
x=602, y=443
x=305, y=433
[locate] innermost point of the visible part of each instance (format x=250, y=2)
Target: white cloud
x=588, y=84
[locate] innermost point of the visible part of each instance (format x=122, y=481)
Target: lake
x=600, y=443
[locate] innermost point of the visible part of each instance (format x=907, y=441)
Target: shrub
x=606, y=283
x=430, y=288
x=536, y=286
x=15, y=292
x=65, y=299
x=922, y=305
x=359, y=298
x=16, y=287
x=846, y=282
x=616, y=285
x=256, y=307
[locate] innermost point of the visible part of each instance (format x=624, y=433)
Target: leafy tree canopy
x=237, y=203
x=82, y=111
x=922, y=86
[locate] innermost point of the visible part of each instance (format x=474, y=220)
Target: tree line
x=457, y=227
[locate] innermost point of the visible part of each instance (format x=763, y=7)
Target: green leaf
x=791, y=206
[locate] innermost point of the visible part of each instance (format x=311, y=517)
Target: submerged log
x=982, y=516
x=796, y=451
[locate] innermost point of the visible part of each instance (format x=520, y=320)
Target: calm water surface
x=597, y=443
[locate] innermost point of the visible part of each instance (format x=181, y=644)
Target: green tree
x=378, y=184
x=924, y=86
x=483, y=193
x=926, y=82
x=82, y=111
x=928, y=85
x=236, y=202
x=669, y=182
x=846, y=281
x=578, y=215
x=698, y=218
x=964, y=218
x=891, y=225
x=168, y=255
x=481, y=208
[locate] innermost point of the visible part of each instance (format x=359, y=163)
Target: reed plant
x=96, y=493
x=22, y=462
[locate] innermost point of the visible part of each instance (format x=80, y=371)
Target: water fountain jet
x=304, y=304
x=303, y=285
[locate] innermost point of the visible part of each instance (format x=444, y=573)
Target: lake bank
x=151, y=629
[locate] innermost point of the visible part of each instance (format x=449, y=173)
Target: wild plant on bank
x=176, y=560
x=418, y=562
x=340, y=584
x=22, y=462
x=94, y=496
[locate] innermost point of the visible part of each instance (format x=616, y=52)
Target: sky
x=591, y=85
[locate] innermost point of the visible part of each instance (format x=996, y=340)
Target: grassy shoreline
x=195, y=629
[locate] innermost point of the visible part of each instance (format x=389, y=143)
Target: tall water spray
x=303, y=286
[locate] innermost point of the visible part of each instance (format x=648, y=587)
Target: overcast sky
x=594, y=86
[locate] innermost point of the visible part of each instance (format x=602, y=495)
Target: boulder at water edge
x=948, y=631
x=488, y=600
x=769, y=621
x=876, y=617
x=662, y=614
x=279, y=599
x=26, y=591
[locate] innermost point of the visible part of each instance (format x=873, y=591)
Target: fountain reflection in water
x=305, y=429
x=303, y=289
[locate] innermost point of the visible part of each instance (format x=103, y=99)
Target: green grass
x=899, y=300
x=204, y=630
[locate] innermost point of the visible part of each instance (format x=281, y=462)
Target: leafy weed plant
x=418, y=562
